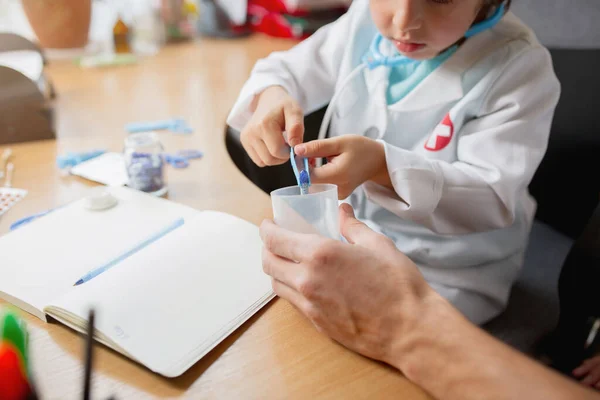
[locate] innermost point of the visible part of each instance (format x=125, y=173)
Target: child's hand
x=276, y=111
x=590, y=372
x=351, y=161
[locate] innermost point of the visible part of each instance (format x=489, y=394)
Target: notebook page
x=41, y=261
x=166, y=305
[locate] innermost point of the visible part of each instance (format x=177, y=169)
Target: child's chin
x=420, y=55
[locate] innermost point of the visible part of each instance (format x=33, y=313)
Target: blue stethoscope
x=372, y=59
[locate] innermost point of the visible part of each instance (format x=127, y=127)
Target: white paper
x=40, y=261
x=108, y=169
x=186, y=292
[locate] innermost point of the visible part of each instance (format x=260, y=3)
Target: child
x=440, y=114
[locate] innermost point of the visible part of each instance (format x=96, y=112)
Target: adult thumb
x=355, y=231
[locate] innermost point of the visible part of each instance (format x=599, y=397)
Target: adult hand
x=372, y=299
x=363, y=294
x=262, y=138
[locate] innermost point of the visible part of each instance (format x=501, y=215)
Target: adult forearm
x=453, y=359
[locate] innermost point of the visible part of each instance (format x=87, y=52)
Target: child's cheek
x=445, y=32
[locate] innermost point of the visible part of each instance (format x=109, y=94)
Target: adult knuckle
x=322, y=254
x=266, y=261
x=306, y=287
x=269, y=241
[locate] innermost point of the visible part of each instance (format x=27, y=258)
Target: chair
x=26, y=113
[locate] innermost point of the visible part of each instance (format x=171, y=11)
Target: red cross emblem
x=441, y=136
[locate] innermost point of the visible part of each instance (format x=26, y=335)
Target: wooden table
x=277, y=354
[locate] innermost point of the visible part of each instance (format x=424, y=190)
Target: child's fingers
x=265, y=155
x=319, y=148
x=294, y=123
x=246, y=137
x=273, y=139
x=328, y=173
x=254, y=157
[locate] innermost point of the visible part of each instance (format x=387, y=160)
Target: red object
x=276, y=6
x=441, y=136
x=272, y=23
x=13, y=379
x=273, y=18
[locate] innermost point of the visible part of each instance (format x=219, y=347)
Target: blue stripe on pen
x=92, y=274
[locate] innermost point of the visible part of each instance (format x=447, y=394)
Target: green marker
x=13, y=331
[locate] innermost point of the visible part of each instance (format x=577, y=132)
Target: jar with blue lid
x=144, y=163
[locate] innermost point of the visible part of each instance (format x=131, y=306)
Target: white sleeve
x=498, y=152
x=308, y=71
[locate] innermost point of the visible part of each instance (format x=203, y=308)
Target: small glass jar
x=144, y=163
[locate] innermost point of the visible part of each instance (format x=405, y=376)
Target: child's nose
x=408, y=15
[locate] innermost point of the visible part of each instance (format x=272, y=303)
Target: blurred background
x=66, y=28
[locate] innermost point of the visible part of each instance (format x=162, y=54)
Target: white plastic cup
x=315, y=212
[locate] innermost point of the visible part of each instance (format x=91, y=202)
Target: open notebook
x=164, y=306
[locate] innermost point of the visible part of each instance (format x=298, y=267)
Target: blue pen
x=72, y=159
x=92, y=274
x=27, y=220
x=176, y=125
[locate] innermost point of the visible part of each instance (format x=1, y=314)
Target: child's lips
x=408, y=47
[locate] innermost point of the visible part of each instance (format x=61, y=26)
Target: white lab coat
x=461, y=148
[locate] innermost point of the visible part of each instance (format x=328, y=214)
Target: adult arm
x=371, y=298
